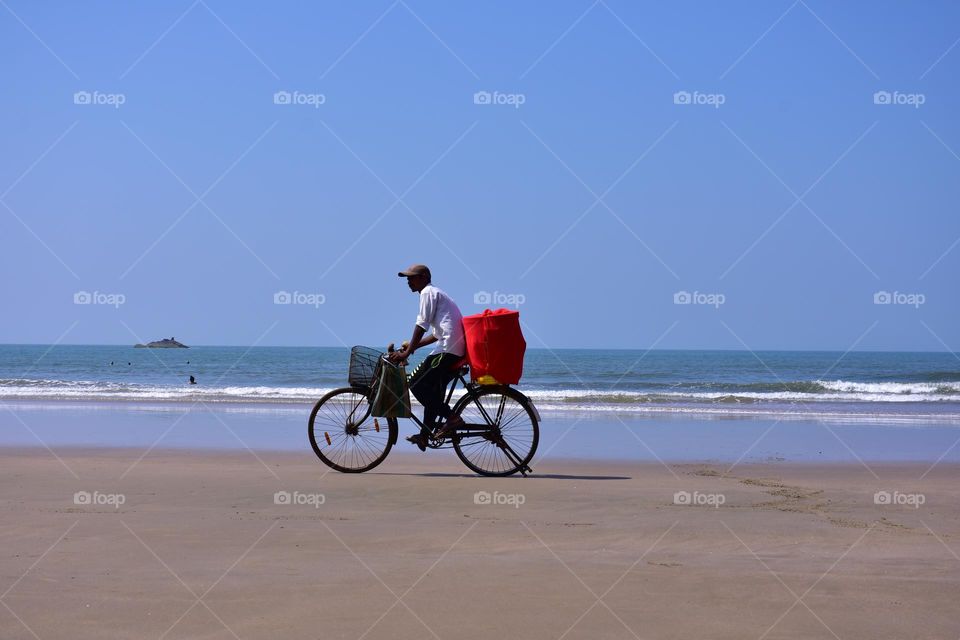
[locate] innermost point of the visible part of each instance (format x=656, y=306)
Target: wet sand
x=201, y=544
x=563, y=434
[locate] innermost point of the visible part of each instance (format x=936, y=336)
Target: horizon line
x=529, y=348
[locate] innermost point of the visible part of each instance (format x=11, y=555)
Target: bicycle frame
x=479, y=429
x=453, y=386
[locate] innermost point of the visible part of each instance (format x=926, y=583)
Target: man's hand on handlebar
x=416, y=341
x=400, y=356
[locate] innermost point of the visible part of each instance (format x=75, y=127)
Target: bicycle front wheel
x=344, y=435
x=501, y=432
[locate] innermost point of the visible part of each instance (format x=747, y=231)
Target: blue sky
x=786, y=208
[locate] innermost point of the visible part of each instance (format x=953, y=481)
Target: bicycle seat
x=460, y=365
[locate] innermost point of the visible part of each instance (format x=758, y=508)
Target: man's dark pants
x=428, y=383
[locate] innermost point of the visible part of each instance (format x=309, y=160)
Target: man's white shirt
x=439, y=313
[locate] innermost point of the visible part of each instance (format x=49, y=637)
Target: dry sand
x=200, y=549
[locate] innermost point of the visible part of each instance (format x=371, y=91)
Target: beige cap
x=415, y=270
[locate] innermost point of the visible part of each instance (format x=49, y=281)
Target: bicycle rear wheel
x=344, y=435
x=501, y=432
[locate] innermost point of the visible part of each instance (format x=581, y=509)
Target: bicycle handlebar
x=391, y=350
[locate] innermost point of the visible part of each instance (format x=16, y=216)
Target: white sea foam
x=836, y=392
x=84, y=390
x=891, y=389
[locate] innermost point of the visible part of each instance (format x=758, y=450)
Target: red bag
x=495, y=346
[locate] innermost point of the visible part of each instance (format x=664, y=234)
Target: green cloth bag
x=392, y=396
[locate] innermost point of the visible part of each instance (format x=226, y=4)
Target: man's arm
x=428, y=340
x=416, y=341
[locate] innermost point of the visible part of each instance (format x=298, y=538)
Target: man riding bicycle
x=440, y=314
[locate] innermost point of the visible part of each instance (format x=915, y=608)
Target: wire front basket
x=363, y=366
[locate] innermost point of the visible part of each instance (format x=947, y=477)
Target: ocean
x=889, y=385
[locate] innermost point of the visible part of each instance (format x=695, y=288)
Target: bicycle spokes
x=343, y=433
x=500, y=434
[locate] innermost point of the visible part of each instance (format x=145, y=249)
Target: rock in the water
x=166, y=343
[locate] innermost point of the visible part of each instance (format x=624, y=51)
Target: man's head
x=417, y=275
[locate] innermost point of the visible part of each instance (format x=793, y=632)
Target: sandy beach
x=109, y=543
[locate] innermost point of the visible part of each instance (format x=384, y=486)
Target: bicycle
x=499, y=436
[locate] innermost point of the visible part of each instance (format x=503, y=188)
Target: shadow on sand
x=533, y=476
